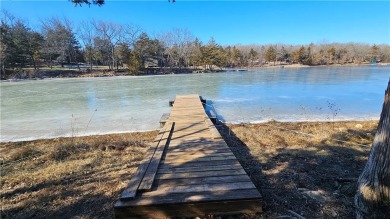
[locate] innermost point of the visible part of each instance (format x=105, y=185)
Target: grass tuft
x=63, y=150
x=22, y=153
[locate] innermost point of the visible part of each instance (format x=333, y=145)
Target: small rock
x=359, y=126
x=316, y=195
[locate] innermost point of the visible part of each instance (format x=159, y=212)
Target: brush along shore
x=304, y=168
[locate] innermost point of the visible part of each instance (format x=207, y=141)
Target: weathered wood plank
x=149, y=198
x=199, y=163
x=198, y=155
x=177, y=146
x=175, y=143
x=247, y=207
x=204, y=149
x=214, y=132
x=199, y=174
x=164, y=119
x=147, y=180
x=193, y=173
x=213, y=153
x=202, y=180
x=196, y=143
x=131, y=189
x=211, y=188
x=190, y=159
x=200, y=150
x=193, y=169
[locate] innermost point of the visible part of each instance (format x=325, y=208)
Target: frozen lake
x=82, y=106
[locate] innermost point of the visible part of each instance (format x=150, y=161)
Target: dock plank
x=177, y=198
x=131, y=189
x=147, y=180
x=246, y=207
x=199, y=163
x=203, y=188
x=196, y=169
x=189, y=171
x=200, y=174
x=202, y=180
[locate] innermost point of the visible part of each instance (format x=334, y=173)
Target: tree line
x=126, y=46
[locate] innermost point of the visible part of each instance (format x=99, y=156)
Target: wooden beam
x=200, y=174
x=202, y=210
x=197, y=169
x=147, y=180
x=149, y=198
x=131, y=189
x=203, y=180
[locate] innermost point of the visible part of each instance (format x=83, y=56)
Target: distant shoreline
x=314, y=66
x=72, y=73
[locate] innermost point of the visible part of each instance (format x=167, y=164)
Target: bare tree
x=385, y=53
x=130, y=34
x=372, y=199
x=87, y=34
x=109, y=32
x=178, y=45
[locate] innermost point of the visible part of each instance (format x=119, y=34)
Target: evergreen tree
x=284, y=55
x=331, y=54
x=123, y=53
x=213, y=54
x=20, y=46
x=270, y=54
x=134, y=63
x=60, y=42
x=7, y=49
x=299, y=55
x=374, y=53
x=101, y=51
x=196, y=53
x=308, y=58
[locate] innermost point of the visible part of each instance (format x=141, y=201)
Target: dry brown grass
x=83, y=177
x=68, y=177
x=303, y=167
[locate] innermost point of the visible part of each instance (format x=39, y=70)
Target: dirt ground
x=302, y=170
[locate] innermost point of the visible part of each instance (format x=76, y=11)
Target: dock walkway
x=189, y=171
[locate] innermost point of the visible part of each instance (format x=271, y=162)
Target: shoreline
x=287, y=162
x=32, y=139
x=314, y=66
x=67, y=73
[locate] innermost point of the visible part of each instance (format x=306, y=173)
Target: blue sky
x=232, y=22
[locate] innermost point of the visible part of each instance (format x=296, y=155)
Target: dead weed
x=310, y=168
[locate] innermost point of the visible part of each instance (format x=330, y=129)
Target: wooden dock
x=189, y=171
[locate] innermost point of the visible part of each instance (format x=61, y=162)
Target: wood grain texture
x=189, y=171
x=247, y=207
x=147, y=180
x=131, y=189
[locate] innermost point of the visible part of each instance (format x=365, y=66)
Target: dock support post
x=171, y=102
